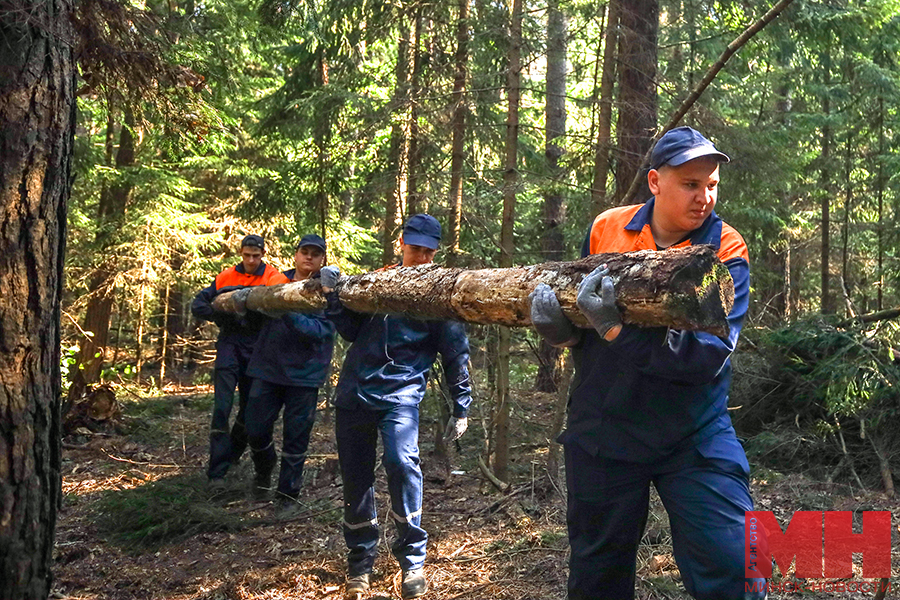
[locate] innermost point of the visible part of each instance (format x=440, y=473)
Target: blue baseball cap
x=311, y=239
x=422, y=230
x=254, y=241
x=680, y=145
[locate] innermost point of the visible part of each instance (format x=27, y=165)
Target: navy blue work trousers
x=227, y=447
x=357, y=437
x=705, y=497
x=266, y=400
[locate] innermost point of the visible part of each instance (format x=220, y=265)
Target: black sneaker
x=414, y=584
x=357, y=587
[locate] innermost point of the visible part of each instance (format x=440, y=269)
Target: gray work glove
x=600, y=309
x=455, y=428
x=548, y=318
x=329, y=278
x=239, y=298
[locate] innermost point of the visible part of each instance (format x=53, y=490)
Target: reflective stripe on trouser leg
x=608, y=502
x=299, y=418
x=706, y=498
x=290, y=478
x=239, y=431
x=262, y=411
x=225, y=378
x=357, y=435
x=399, y=428
x=264, y=460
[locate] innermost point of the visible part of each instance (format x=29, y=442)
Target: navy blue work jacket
x=390, y=358
x=655, y=391
x=294, y=349
x=233, y=328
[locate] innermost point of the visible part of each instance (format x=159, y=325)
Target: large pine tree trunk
x=457, y=153
x=510, y=187
x=37, y=123
x=111, y=212
x=639, y=24
x=398, y=152
x=604, y=126
x=825, y=183
x=554, y=210
x=416, y=201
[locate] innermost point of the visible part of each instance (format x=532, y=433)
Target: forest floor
x=138, y=522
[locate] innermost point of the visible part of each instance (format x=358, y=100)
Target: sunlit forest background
x=513, y=124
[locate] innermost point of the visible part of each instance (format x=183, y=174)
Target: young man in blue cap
x=383, y=380
x=650, y=404
x=290, y=362
x=234, y=346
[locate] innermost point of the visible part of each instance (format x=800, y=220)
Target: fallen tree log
x=682, y=288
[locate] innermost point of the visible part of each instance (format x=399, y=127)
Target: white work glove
x=455, y=428
x=329, y=278
x=239, y=299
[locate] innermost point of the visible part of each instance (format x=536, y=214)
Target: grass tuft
x=164, y=511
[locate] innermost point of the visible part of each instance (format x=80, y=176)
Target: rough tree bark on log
x=682, y=288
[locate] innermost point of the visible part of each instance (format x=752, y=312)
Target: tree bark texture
x=37, y=123
x=682, y=288
x=110, y=213
x=554, y=209
x=638, y=30
x=604, y=126
x=458, y=152
x=398, y=151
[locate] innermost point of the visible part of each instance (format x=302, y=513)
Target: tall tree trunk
x=554, y=210
x=638, y=28
x=879, y=187
x=111, y=212
x=604, y=126
x=142, y=304
x=845, y=225
x=322, y=139
x=510, y=185
x=416, y=202
x=175, y=314
x=825, y=186
x=398, y=152
x=783, y=108
x=37, y=125
x=164, y=336
x=457, y=152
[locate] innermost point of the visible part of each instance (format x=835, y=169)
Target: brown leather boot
x=357, y=587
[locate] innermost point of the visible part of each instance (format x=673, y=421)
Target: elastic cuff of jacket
x=460, y=413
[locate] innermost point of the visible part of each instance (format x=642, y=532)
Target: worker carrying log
x=382, y=382
x=649, y=404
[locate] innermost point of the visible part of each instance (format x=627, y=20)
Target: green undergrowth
x=165, y=511
x=155, y=420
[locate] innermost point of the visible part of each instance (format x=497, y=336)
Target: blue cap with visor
x=681, y=145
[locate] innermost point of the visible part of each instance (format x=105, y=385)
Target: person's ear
x=653, y=181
